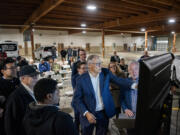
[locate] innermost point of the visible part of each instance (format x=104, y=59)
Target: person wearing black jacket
x=44, y=117
x=63, y=54
x=21, y=61
x=115, y=58
x=8, y=83
x=19, y=100
x=82, y=54
x=81, y=67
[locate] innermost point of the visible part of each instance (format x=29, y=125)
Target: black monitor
x=153, y=88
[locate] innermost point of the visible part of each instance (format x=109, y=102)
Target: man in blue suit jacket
x=81, y=67
x=93, y=99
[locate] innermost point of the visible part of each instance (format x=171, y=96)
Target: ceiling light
x=83, y=25
x=172, y=21
x=84, y=32
x=91, y=7
x=172, y=32
x=143, y=29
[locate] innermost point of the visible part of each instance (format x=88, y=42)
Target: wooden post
x=103, y=49
x=174, y=43
x=32, y=44
x=25, y=48
x=146, y=41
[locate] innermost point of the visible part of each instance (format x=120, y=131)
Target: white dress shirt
x=96, y=85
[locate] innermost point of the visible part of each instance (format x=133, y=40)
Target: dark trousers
x=69, y=56
x=131, y=131
x=101, y=125
x=2, y=130
x=77, y=120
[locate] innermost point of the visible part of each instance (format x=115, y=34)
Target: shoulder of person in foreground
x=64, y=124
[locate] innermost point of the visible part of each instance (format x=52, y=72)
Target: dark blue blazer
x=74, y=68
x=84, y=96
x=73, y=80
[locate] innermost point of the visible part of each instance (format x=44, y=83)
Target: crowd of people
x=70, y=53
x=29, y=105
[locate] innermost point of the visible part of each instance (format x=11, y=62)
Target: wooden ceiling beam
x=164, y=27
x=152, y=30
x=44, y=8
x=168, y=28
x=58, y=22
x=70, y=32
x=164, y=2
x=168, y=2
x=137, y=20
x=98, y=13
x=108, y=7
x=81, y=15
x=78, y=18
x=147, y=3
x=116, y=4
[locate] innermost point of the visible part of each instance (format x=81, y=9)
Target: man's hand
x=1, y=112
x=91, y=118
x=134, y=86
x=129, y=113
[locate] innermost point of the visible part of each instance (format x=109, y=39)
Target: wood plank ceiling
x=125, y=15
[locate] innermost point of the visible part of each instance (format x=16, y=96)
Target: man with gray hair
x=128, y=98
x=93, y=99
x=19, y=100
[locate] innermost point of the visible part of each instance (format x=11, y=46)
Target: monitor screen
x=153, y=88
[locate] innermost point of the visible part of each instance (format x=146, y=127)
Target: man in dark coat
x=19, y=100
x=115, y=58
x=69, y=52
x=63, y=54
x=8, y=83
x=75, y=53
x=81, y=67
x=82, y=54
x=43, y=117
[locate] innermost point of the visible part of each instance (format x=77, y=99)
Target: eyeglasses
x=12, y=68
x=97, y=64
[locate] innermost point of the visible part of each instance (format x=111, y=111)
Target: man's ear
x=1, y=71
x=49, y=96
